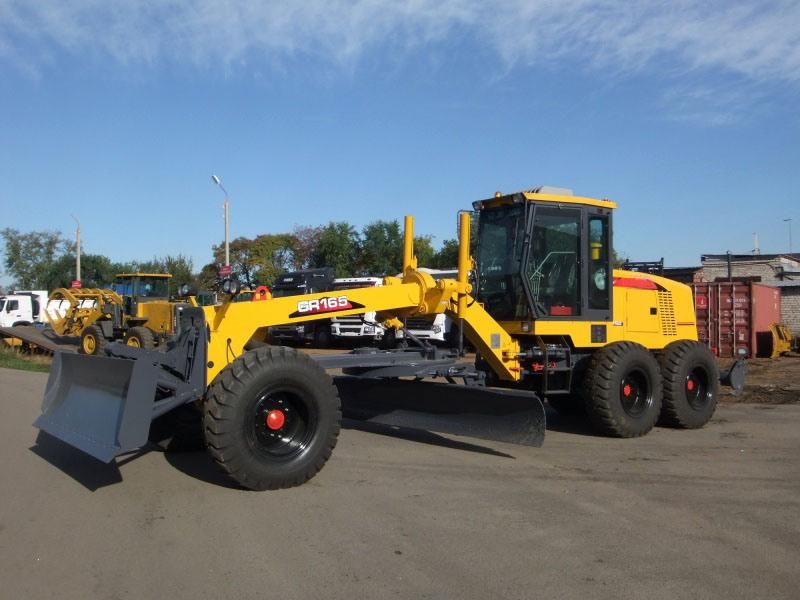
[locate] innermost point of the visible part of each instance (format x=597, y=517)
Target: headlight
x=231, y=286
x=184, y=290
x=437, y=329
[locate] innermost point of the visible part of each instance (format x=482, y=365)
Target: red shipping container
x=733, y=318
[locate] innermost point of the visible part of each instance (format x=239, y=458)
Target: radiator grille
x=667, y=311
x=420, y=322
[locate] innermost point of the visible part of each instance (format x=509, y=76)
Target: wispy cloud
x=757, y=41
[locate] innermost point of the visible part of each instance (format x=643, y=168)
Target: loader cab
x=545, y=254
x=152, y=286
x=146, y=298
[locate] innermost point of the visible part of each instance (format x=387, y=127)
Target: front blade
x=496, y=414
x=102, y=406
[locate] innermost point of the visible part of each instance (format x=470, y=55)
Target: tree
x=208, y=277
x=30, y=257
x=338, y=247
x=423, y=248
x=257, y=261
x=96, y=271
x=274, y=254
x=244, y=262
x=180, y=267
x=306, y=240
x=617, y=259
x=447, y=256
x=381, y=248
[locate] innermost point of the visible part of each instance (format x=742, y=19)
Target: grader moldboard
x=548, y=316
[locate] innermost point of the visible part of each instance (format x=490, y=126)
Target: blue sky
x=685, y=113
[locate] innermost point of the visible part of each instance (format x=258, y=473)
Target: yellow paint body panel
x=233, y=324
x=159, y=315
x=632, y=321
x=781, y=339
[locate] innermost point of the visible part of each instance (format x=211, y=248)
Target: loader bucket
x=508, y=416
x=102, y=406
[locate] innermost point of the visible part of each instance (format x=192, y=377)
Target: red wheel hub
x=690, y=384
x=626, y=389
x=275, y=419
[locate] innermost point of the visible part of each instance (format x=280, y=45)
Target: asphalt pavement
x=712, y=513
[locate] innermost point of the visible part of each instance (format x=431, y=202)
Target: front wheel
x=93, y=341
x=272, y=418
x=691, y=385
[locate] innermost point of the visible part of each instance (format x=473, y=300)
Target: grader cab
x=549, y=317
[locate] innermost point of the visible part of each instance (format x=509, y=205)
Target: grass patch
x=12, y=359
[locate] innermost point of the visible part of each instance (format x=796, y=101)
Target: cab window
x=552, y=271
x=598, y=263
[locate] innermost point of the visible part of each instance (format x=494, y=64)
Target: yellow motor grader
x=549, y=317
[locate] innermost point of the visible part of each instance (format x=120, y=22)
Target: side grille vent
x=667, y=311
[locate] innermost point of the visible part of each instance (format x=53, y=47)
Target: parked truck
x=439, y=329
x=298, y=283
x=358, y=328
x=23, y=307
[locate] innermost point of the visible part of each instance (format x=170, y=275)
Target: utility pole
x=789, y=221
x=77, y=249
x=225, y=206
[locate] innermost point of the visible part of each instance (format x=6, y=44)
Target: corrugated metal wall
x=731, y=315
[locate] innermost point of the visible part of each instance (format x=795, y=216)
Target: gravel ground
x=676, y=514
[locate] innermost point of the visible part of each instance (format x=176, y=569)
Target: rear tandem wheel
x=271, y=418
x=140, y=337
x=622, y=390
x=691, y=385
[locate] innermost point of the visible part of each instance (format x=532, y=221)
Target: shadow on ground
x=89, y=472
x=419, y=412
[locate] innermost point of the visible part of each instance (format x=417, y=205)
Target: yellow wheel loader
x=138, y=311
x=549, y=317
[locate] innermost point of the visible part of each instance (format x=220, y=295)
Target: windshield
x=2, y=304
x=501, y=236
x=148, y=287
x=552, y=267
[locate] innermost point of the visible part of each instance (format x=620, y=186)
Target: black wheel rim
x=283, y=424
x=635, y=393
x=698, y=392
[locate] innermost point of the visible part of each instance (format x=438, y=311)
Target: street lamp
x=217, y=181
x=789, y=221
x=77, y=249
